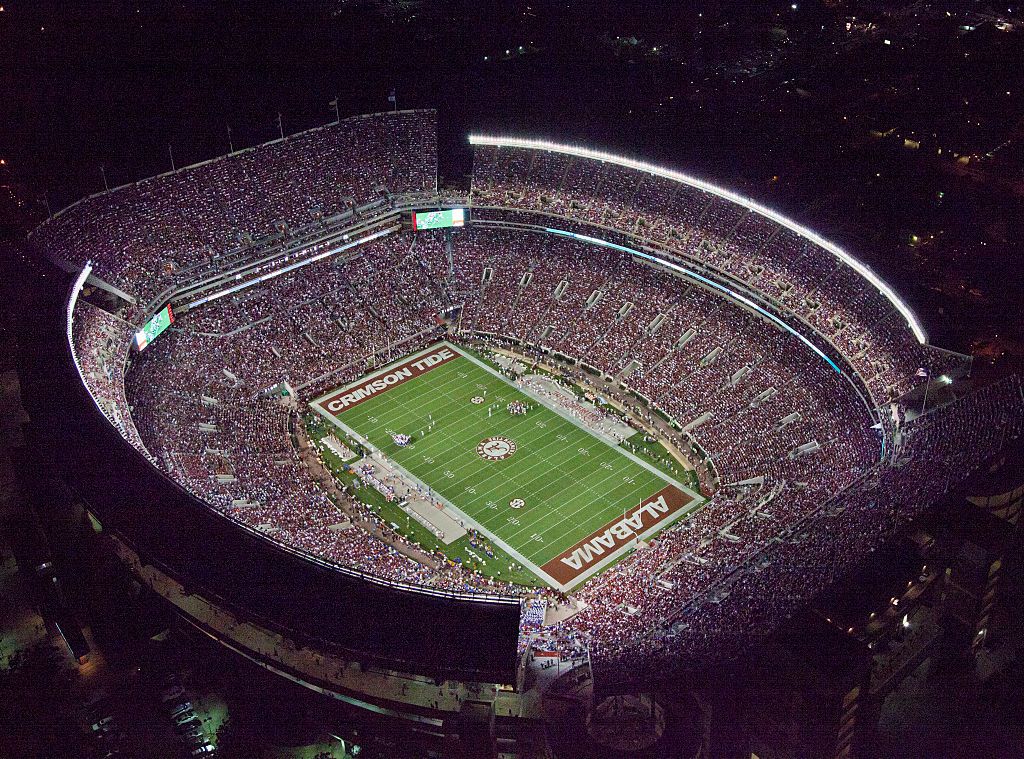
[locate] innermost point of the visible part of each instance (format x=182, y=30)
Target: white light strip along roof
x=76, y=290
x=630, y=163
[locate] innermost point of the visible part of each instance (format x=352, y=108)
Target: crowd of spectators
x=756, y=395
x=100, y=342
x=711, y=617
x=806, y=482
x=775, y=261
x=197, y=397
x=138, y=235
x=589, y=415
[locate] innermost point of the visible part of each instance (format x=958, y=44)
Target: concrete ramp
x=441, y=519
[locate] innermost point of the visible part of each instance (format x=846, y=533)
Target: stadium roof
x=631, y=163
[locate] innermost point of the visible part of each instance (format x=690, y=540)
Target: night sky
x=784, y=104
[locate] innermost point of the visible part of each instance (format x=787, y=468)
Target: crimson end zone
x=366, y=388
x=604, y=544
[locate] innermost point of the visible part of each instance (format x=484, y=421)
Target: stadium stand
x=139, y=235
x=743, y=245
x=808, y=477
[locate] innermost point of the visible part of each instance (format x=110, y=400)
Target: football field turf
x=562, y=501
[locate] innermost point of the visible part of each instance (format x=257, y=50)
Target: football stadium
x=593, y=411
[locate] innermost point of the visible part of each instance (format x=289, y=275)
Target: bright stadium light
x=580, y=152
x=76, y=290
x=72, y=301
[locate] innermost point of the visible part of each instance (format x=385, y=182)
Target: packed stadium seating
x=743, y=245
x=101, y=343
x=138, y=235
x=241, y=461
x=778, y=523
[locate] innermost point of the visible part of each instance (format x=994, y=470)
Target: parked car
x=184, y=727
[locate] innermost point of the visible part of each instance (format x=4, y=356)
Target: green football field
x=568, y=483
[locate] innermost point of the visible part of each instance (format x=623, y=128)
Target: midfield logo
x=496, y=448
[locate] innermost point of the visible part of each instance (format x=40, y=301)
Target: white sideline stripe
x=448, y=504
x=618, y=451
x=592, y=490
x=497, y=475
x=576, y=422
x=318, y=407
x=586, y=494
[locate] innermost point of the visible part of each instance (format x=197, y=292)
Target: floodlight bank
x=630, y=163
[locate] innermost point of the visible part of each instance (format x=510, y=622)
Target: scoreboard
x=451, y=217
x=160, y=321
